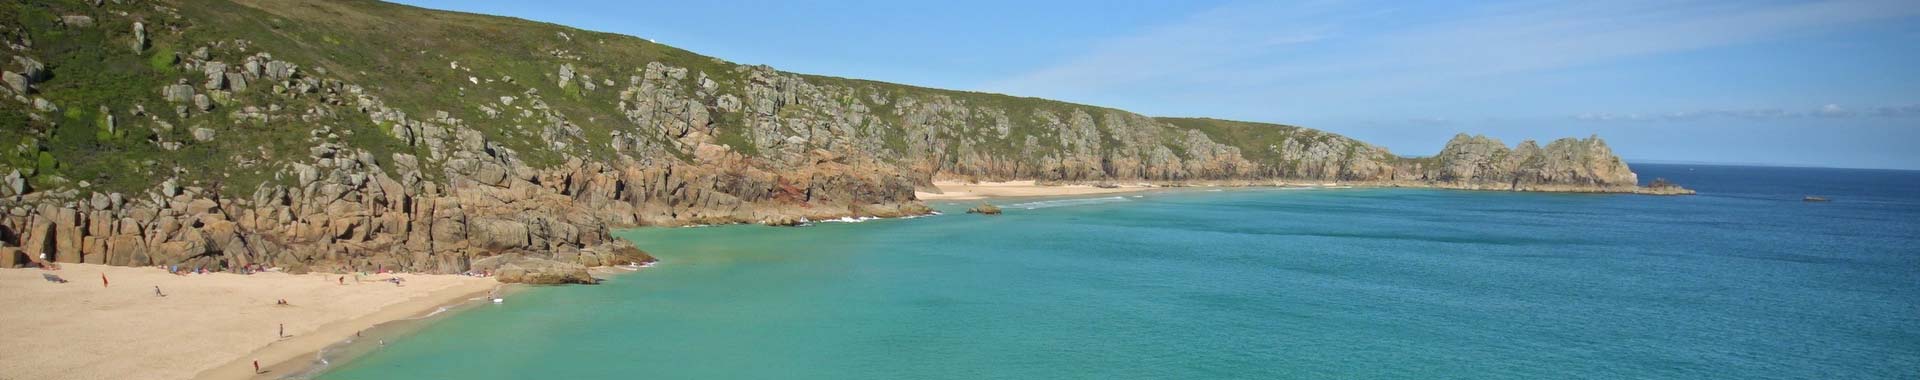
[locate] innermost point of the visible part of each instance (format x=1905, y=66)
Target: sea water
x=1744, y=281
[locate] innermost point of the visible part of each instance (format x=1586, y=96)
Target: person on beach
x=103, y=280
x=283, y=330
x=256, y=367
x=343, y=280
x=157, y=293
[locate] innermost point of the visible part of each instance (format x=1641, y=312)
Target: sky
x=1797, y=83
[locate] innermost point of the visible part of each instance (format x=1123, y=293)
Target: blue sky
x=1813, y=83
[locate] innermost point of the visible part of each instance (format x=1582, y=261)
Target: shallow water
x=1744, y=281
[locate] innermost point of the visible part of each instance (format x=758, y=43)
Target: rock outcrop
x=1565, y=165
x=331, y=144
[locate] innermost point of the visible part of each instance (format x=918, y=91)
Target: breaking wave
x=1066, y=202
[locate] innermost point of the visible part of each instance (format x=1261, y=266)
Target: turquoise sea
x=1744, y=281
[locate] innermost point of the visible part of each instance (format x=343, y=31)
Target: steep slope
x=360, y=134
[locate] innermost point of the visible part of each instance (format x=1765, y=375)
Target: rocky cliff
x=355, y=134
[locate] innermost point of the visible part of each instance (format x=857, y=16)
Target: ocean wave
x=1066, y=202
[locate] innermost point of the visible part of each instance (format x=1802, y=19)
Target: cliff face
x=1568, y=164
x=358, y=134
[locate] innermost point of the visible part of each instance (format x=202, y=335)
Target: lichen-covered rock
x=203, y=134
x=139, y=37
x=984, y=209
x=31, y=68
x=13, y=183
x=178, y=92
x=281, y=70
x=76, y=21
x=202, y=102
x=16, y=82
x=44, y=105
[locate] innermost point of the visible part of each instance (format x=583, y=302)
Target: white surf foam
x=442, y=309
x=1066, y=202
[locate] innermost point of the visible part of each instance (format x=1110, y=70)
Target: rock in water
x=516, y=269
x=984, y=209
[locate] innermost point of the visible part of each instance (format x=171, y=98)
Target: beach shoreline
x=299, y=354
x=107, y=322
x=308, y=355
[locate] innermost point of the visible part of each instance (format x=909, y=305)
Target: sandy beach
x=960, y=190
x=208, y=326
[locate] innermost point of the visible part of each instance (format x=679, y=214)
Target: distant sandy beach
x=208, y=326
x=960, y=190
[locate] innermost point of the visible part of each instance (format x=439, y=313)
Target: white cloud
x=1825, y=111
x=1834, y=110
x=1360, y=51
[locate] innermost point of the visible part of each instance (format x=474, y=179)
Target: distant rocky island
x=359, y=135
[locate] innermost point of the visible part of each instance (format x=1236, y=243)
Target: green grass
x=162, y=59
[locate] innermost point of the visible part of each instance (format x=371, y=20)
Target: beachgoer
x=103, y=280
x=283, y=330
x=256, y=367
x=343, y=280
x=157, y=293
